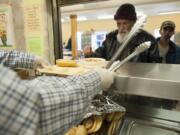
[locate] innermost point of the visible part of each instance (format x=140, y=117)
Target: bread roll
x=66, y=63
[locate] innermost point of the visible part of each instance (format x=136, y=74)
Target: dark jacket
x=173, y=54
x=111, y=45
x=69, y=46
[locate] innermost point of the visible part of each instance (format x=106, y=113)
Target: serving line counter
x=149, y=92
x=151, y=95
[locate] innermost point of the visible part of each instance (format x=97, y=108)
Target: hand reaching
x=40, y=63
x=107, y=78
x=87, y=50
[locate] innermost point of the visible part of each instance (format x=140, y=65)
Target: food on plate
x=63, y=71
x=66, y=63
x=91, y=63
x=94, y=59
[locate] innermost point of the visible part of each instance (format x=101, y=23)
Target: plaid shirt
x=45, y=105
x=16, y=59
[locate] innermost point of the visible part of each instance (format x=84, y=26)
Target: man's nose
x=121, y=27
x=167, y=33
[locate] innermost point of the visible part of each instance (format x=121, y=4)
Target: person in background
x=166, y=50
x=69, y=44
x=125, y=18
x=47, y=104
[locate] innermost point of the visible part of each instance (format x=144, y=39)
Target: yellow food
x=112, y=127
x=99, y=122
x=71, y=131
x=88, y=123
x=93, y=124
x=110, y=117
x=81, y=130
x=118, y=115
x=66, y=63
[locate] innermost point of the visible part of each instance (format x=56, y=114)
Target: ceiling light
x=105, y=17
x=81, y=18
x=171, y=12
x=140, y=13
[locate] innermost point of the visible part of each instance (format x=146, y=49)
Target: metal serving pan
x=142, y=127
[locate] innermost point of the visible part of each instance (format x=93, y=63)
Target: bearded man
x=125, y=17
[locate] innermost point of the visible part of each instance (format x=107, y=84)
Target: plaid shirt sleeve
x=15, y=59
x=45, y=105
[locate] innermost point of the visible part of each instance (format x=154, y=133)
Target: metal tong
x=141, y=48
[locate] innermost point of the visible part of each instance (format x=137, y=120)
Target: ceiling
x=106, y=9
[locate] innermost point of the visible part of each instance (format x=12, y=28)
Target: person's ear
x=174, y=32
x=160, y=31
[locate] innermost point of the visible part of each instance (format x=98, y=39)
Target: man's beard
x=121, y=36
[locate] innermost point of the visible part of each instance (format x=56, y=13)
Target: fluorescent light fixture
x=66, y=19
x=105, y=17
x=170, y=12
x=140, y=13
x=81, y=18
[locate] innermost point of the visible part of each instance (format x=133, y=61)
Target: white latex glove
x=114, y=65
x=107, y=78
x=40, y=62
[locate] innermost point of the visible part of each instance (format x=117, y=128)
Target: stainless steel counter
x=149, y=79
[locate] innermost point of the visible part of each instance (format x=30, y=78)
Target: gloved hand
x=107, y=78
x=40, y=62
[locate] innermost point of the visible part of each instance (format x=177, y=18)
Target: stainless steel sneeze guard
x=149, y=79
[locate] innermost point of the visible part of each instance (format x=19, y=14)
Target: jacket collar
x=172, y=46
